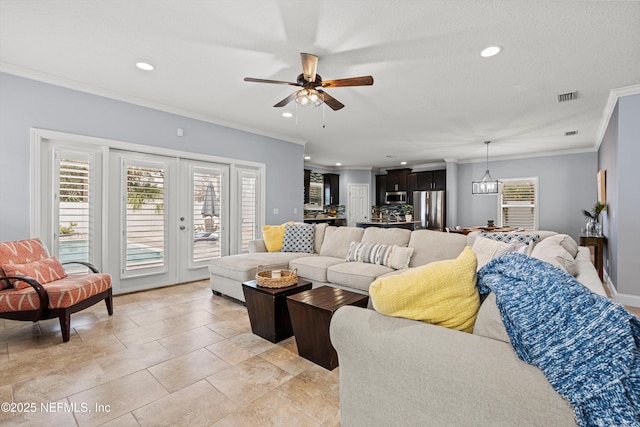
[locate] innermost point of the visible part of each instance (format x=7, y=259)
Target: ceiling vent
x=571, y=133
x=568, y=96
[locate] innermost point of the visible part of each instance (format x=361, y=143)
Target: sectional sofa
x=327, y=265
x=396, y=371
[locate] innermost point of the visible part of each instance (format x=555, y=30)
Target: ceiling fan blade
x=279, y=82
x=353, y=81
x=309, y=66
x=287, y=100
x=331, y=101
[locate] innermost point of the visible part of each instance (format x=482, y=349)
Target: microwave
x=395, y=198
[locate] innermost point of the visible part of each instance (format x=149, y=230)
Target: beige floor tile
x=268, y=410
x=28, y=366
x=187, y=369
x=286, y=360
x=188, y=341
x=20, y=331
x=112, y=324
x=230, y=352
x=78, y=351
x=249, y=380
x=199, y=404
x=4, y=352
x=315, y=392
x=133, y=359
x=60, y=383
x=117, y=397
x=127, y=420
x=148, y=333
x=147, y=317
x=230, y=328
x=50, y=414
x=290, y=344
x=252, y=342
x=6, y=394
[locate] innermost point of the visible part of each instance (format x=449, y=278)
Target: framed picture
x=602, y=187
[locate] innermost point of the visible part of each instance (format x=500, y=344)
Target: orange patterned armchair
x=35, y=286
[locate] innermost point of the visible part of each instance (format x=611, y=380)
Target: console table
x=597, y=242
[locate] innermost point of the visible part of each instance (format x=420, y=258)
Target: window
x=518, y=203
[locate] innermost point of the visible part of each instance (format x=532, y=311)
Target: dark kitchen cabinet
x=412, y=185
x=381, y=189
x=432, y=180
x=307, y=185
x=331, y=188
x=397, y=179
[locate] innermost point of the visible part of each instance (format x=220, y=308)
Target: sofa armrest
x=43, y=296
x=257, y=246
x=398, y=371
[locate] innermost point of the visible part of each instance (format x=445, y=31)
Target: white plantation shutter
x=248, y=208
x=518, y=203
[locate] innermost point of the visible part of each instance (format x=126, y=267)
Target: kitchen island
x=385, y=223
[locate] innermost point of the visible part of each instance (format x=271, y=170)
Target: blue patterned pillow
x=527, y=239
x=298, y=238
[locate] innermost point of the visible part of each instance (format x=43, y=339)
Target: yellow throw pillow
x=442, y=293
x=273, y=236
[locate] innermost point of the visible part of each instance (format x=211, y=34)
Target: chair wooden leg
x=65, y=325
x=109, y=302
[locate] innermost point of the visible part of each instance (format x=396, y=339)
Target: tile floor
x=175, y=356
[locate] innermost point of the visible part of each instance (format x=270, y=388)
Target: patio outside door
x=169, y=219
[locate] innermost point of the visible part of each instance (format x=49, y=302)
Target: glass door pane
x=145, y=222
x=207, y=202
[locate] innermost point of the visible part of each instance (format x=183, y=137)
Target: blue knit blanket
x=587, y=346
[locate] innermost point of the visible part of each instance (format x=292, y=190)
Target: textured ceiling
x=434, y=97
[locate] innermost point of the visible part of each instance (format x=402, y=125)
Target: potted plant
x=593, y=226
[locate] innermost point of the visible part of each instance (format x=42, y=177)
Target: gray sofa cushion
x=489, y=321
x=386, y=236
x=243, y=267
x=430, y=246
x=314, y=268
x=337, y=240
x=318, y=237
x=358, y=275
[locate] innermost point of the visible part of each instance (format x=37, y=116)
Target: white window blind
x=518, y=203
x=248, y=208
x=145, y=221
x=207, y=193
x=75, y=209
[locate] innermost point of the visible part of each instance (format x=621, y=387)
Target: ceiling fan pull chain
x=323, y=104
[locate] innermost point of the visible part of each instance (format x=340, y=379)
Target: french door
x=147, y=219
x=168, y=221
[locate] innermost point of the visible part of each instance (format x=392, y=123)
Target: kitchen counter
x=409, y=225
x=337, y=221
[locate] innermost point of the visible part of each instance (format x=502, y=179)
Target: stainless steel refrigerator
x=429, y=209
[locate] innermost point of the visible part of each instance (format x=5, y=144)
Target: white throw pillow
x=487, y=249
x=549, y=250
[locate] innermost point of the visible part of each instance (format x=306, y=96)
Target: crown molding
x=614, y=95
x=529, y=156
x=117, y=96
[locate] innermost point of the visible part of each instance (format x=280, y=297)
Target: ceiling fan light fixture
x=309, y=98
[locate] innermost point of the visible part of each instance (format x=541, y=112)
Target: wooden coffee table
x=268, y=311
x=311, y=313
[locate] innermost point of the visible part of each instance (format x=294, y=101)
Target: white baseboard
x=624, y=299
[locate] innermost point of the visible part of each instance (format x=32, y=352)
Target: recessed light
x=307, y=157
x=287, y=115
x=403, y=163
x=491, y=51
x=144, y=66
x=338, y=164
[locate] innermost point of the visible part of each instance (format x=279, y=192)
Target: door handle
x=182, y=227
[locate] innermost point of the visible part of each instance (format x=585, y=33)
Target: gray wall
x=26, y=103
x=627, y=212
x=567, y=184
x=608, y=161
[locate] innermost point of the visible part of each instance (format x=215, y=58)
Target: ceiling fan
x=309, y=81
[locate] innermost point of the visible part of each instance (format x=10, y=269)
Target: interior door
x=359, y=206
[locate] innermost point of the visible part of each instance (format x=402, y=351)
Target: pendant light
x=486, y=185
